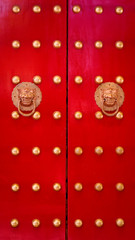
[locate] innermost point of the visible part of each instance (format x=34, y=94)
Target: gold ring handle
x=26, y=114
x=110, y=114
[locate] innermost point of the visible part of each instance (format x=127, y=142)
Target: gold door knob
x=26, y=96
x=109, y=97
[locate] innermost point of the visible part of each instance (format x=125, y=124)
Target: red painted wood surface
x=26, y=133
x=47, y=133
x=88, y=132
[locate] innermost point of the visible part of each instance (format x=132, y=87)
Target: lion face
x=109, y=97
x=26, y=96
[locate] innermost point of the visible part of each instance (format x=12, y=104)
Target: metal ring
x=110, y=114
x=26, y=114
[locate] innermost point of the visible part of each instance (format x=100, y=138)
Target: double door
x=67, y=120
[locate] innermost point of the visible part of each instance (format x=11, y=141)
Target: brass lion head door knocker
x=26, y=96
x=109, y=97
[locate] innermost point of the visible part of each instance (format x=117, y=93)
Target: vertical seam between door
x=66, y=227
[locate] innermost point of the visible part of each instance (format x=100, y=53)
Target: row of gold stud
x=35, y=187
x=37, y=115
x=36, y=9
x=35, y=222
x=78, y=222
x=36, y=44
x=36, y=151
x=57, y=115
x=99, y=187
x=77, y=44
x=118, y=79
x=98, y=44
x=78, y=150
x=99, y=115
x=36, y=79
x=78, y=187
x=76, y=9
x=98, y=9
x=99, y=150
x=99, y=222
x=57, y=79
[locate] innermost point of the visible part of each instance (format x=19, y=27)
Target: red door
x=101, y=148
x=32, y=177
x=67, y=120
